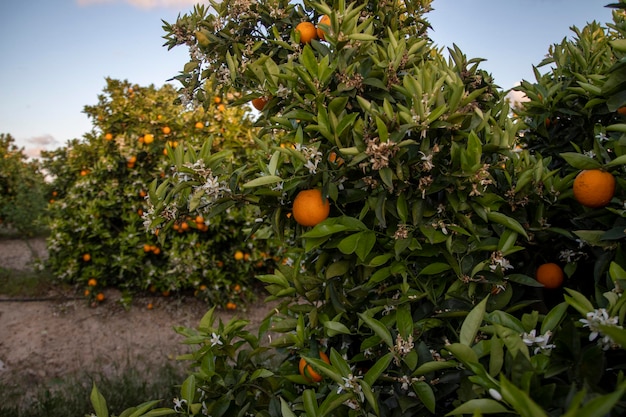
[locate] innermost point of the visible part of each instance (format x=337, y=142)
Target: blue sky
x=57, y=53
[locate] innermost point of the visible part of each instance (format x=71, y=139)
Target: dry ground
x=57, y=337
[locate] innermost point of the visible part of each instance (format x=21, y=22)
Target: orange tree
x=420, y=285
x=22, y=189
x=98, y=238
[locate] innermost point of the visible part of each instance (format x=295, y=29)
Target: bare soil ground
x=63, y=335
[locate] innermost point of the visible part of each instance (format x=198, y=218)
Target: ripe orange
x=166, y=130
x=550, y=275
x=108, y=136
x=217, y=100
x=100, y=297
x=238, y=255
x=622, y=110
x=147, y=247
x=307, y=370
x=259, y=103
x=231, y=306
x=92, y=282
x=321, y=32
x=199, y=125
x=594, y=188
x=142, y=194
x=148, y=138
x=221, y=107
x=199, y=220
x=310, y=208
x=84, y=172
x=307, y=32
x=87, y=292
x=86, y=257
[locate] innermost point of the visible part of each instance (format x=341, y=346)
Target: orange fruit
x=321, y=32
x=221, y=107
x=219, y=264
x=108, y=136
x=87, y=292
x=237, y=288
x=132, y=159
x=148, y=138
x=150, y=306
x=100, y=297
x=217, y=100
x=147, y=247
x=550, y=275
x=335, y=159
x=184, y=226
x=594, y=188
x=622, y=110
x=238, y=255
x=166, y=130
x=307, y=32
x=310, y=208
x=259, y=103
x=231, y=306
x=156, y=250
x=199, y=125
x=92, y=282
x=84, y=172
x=142, y=194
x=307, y=370
x=86, y=257
x=199, y=219
x=54, y=193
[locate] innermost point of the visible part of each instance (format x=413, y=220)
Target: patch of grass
x=25, y=283
x=70, y=396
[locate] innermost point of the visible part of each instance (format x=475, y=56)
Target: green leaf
x=578, y=301
x=435, y=268
x=524, y=280
x=333, y=328
x=188, y=389
x=507, y=221
x=265, y=180
x=483, y=405
x=261, y=373
x=378, y=368
x=362, y=37
x=620, y=160
x=519, y=400
x=554, y=317
x=603, y=405
x=425, y=393
x=285, y=409
x=310, y=402
x=142, y=409
x=434, y=366
x=471, y=324
x=378, y=328
x=580, y=161
x=98, y=402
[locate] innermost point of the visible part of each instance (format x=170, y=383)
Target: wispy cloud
x=143, y=4
x=39, y=143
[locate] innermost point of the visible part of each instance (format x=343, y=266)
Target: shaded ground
x=47, y=339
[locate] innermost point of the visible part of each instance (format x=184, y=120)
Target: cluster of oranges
x=92, y=284
x=147, y=248
x=308, y=31
x=191, y=223
x=592, y=188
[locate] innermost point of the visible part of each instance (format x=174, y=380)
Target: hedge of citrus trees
x=22, y=190
x=97, y=233
x=452, y=261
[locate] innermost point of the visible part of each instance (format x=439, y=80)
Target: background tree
x=98, y=238
x=22, y=190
